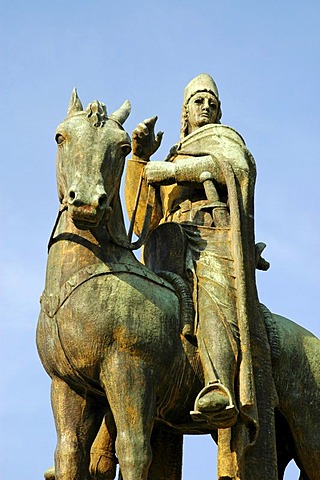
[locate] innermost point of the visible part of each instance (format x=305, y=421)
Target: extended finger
x=158, y=139
x=150, y=122
x=140, y=130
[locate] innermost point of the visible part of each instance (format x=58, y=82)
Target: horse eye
x=126, y=149
x=59, y=138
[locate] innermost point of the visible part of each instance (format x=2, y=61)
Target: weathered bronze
x=141, y=354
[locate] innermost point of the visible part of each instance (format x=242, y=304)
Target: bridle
x=146, y=223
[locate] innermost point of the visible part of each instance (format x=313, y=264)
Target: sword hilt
x=220, y=212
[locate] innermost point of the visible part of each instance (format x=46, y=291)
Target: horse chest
x=94, y=314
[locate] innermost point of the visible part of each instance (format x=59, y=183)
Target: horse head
x=92, y=147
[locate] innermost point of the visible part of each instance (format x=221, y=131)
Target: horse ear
x=122, y=113
x=75, y=104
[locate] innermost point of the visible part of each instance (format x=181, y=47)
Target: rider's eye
x=126, y=148
x=59, y=138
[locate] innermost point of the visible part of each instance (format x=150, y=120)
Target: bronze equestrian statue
x=133, y=367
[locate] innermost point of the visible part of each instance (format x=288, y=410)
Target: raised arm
x=144, y=144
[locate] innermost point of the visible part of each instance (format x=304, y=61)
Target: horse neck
x=73, y=249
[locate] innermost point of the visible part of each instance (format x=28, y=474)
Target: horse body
x=124, y=379
x=83, y=334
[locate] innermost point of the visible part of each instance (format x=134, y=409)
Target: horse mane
x=97, y=113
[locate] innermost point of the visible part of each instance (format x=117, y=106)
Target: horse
x=124, y=378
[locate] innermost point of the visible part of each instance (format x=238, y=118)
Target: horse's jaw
x=87, y=217
x=107, y=229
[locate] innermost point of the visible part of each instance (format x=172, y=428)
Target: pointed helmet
x=201, y=83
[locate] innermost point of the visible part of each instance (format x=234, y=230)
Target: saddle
x=166, y=249
x=165, y=254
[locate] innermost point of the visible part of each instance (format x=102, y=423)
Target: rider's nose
x=205, y=105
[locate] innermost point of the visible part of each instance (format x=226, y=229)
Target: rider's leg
x=218, y=349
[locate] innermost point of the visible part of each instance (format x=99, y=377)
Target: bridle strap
x=146, y=222
x=147, y=219
x=61, y=210
x=135, y=208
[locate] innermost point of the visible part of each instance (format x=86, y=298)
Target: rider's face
x=202, y=110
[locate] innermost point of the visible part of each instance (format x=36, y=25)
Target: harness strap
x=51, y=303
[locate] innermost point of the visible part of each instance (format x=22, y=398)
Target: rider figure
x=184, y=183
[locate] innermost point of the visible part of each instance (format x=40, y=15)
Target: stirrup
x=217, y=385
x=223, y=418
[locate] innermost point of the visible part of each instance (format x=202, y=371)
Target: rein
x=61, y=210
x=147, y=217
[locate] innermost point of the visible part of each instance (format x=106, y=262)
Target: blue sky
x=264, y=57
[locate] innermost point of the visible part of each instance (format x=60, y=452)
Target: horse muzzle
x=87, y=209
x=88, y=213
x=88, y=216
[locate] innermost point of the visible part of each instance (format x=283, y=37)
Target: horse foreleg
x=130, y=390
x=77, y=422
x=103, y=459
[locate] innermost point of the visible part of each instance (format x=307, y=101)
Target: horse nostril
x=102, y=200
x=72, y=196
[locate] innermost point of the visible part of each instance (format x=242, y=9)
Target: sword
x=220, y=214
